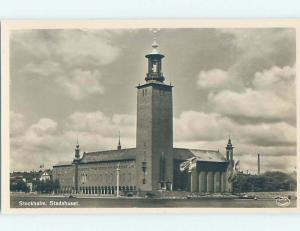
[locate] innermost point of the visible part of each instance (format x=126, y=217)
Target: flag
x=237, y=166
x=231, y=172
x=188, y=164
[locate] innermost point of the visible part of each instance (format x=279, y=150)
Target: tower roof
x=155, y=48
x=119, y=143
x=155, y=51
x=229, y=144
x=77, y=143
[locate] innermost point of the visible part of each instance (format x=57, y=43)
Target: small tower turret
x=119, y=147
x=77, y=151
x=229, y=150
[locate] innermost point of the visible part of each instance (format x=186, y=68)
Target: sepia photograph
x=149, y=114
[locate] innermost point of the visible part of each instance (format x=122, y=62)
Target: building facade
x=154, y=164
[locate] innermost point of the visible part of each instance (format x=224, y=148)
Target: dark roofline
x=105, y=161
x=159, y=85
x=106, y=151
x=207, y=150
x=62, y=165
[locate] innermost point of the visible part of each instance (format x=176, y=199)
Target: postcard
x=149, y=116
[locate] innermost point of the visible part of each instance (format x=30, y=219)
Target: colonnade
x=208, y=182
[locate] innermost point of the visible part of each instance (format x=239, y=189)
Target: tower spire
x=77, y=150
x=119, y=143
x=229, y=140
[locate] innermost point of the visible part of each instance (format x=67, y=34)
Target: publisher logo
x=283, y=202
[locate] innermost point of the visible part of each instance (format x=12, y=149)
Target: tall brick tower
x=154, y=141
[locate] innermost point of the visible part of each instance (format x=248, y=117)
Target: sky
x=68, y=83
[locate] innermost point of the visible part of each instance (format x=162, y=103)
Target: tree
x=267, y=182
x=48, y=186
x=18, y=186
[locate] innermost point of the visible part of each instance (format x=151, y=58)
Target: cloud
x=192, y=126
x=71, y=58
x=252, y=104
x=276, y=142
x=279, y=81
x=38, y=136
x=245, y=81
x=81, y=83
x=44, y=68
x=259, y=85
x=90, y=47
x=47, y=142
x=17, y=123
x=71, y=47
x=213, y=79
x=44, y=125
x=98, y=122
x=272, y=97
x=260, y=48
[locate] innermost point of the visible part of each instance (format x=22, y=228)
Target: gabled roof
x=201, y=155
x=111, y=155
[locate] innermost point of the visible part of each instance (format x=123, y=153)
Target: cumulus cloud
x=247, y=91
x=71, y=47
x=99, y=122
x=47, y=142
x=213, y=79
x=71, y=58
x=275, y=142
x=44, y=125
x=272, y=97
x=199, y=126
x=259, y=48
x=279, y=81
x=81, y=83
x=45, y=68
x=17, y=123
x=192, y=126
x=252, y=104
x=38, y=136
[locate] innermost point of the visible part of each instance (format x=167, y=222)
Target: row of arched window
x=105, y=189
x=98, y=189
x=106, y=177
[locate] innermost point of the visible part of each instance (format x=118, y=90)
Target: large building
x=154, y=164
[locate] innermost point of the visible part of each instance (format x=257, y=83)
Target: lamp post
x=118, y=179
x=191, y=179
